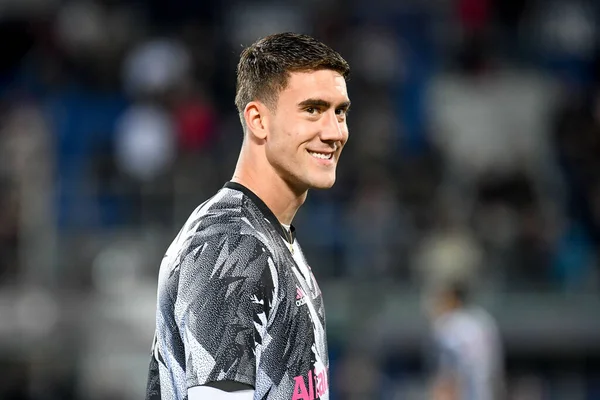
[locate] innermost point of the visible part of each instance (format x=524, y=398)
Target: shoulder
x=225, y=265
x=487, y=323
x=228, y=248
x=223, y=231
x=230, y=212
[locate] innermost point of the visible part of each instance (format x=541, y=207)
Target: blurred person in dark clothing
x=239, y=314
x=467, y=347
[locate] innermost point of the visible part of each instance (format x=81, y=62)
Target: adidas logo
x=300, y=297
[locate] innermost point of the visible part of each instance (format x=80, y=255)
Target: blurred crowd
x=474, y=129
x=474, y=146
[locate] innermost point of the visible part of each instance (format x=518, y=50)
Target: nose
x=332, y=130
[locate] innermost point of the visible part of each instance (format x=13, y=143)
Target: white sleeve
x=207, y=392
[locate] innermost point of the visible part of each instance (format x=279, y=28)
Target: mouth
x=321, y=155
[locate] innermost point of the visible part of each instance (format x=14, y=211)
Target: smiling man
x=239, y=312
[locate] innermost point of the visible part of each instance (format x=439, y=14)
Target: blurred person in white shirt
x=467, y=348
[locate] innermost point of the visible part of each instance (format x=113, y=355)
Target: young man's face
x=308, y=129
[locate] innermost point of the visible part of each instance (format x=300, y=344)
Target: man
x=467, y=347
x=239, y=313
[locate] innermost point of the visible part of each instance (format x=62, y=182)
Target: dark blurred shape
x=473, y=56
x=17, y=41
x=196, y=121
x=9, y=239
x=510, y=13
x=474, y=15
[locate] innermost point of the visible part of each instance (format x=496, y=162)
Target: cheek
x=281, y=147
x=289, y=136
x=345, y=134
x=284, y=129
x=303, y=130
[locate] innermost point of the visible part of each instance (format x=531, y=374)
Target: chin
x=322, y=183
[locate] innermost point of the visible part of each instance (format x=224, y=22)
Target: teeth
x=321, y=155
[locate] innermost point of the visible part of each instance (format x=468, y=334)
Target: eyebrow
x=322, y=103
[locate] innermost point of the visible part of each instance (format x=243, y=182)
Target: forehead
x=324, y=84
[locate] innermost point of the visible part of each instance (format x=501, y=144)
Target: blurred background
x=474, y=153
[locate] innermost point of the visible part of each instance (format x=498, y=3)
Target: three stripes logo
x=300, y=297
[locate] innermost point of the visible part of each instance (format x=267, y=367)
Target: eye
x=311, y=110
x=341, y=112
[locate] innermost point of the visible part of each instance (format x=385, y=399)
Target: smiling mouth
x=321, y=156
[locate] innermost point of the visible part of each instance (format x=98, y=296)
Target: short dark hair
x=460, y=291
x=265, y=66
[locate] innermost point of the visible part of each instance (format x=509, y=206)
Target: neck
x=263, y=180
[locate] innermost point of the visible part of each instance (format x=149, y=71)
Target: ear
x=255, y=115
